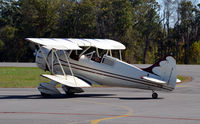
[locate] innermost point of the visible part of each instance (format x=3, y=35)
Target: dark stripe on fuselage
x=121, y=77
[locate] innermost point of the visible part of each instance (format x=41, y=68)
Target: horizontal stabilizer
x=68, y=80
x=153, y=80
x=178, y=80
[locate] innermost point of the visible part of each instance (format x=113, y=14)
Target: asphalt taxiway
x=105, y=105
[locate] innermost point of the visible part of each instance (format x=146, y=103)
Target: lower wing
x=68, y=80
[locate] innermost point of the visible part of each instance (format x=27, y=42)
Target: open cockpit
x=94, y=54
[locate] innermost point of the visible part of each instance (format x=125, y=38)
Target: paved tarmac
x=17, y=64
x=105, y=105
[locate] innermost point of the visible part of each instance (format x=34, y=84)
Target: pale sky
x=173, y=19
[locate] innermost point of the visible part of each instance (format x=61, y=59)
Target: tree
x=148, y=22
x=135, y=23
x=40, y=17
x=186, y=12
x=77, y=19
x=7, y=35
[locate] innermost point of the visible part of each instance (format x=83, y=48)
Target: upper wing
x=72, y=43
x=56, y=43
x=106, y=44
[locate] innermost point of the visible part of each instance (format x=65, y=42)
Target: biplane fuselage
x=110, y=72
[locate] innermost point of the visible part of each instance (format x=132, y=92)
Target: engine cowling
x=41, y=56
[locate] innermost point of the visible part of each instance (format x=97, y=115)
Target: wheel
x=154, y=95
x=45, y=95
x=69, y=93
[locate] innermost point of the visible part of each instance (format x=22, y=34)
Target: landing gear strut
x=154, y=95
x=70, y=91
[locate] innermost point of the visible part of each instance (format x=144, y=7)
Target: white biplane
x=78, y=63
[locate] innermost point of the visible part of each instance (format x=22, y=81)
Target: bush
x=194, y=54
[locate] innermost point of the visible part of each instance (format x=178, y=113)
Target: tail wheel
x=154, y=95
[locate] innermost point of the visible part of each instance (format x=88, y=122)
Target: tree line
x=141, y=25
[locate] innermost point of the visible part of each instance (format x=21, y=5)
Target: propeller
x=33, y=48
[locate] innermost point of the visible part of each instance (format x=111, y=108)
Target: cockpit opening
x=94, y=54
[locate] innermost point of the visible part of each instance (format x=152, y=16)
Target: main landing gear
x=49, y=89
x=154, y=95
x=70, y=91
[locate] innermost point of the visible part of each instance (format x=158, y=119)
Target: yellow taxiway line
x=103, y=119
x=129, y=113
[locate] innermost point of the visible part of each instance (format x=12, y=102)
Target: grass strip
x=29, y=77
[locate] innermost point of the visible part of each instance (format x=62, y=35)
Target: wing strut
x=110, y=53
x=84, y=51
x=52, y=54
x=97, y=52
x=54, y=51
x=70, y=68
x=120, y=55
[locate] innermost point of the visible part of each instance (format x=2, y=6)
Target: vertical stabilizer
x=166, y=69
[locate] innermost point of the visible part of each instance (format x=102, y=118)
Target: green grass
x=15, y=77
x=22, y=77
x=184, y=78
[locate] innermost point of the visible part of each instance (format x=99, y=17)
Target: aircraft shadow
x=138, y=98
x=63, y=96
x=113, y=96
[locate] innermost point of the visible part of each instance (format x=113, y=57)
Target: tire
x=69, y=94
x=154, y=95
x=45, y=95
